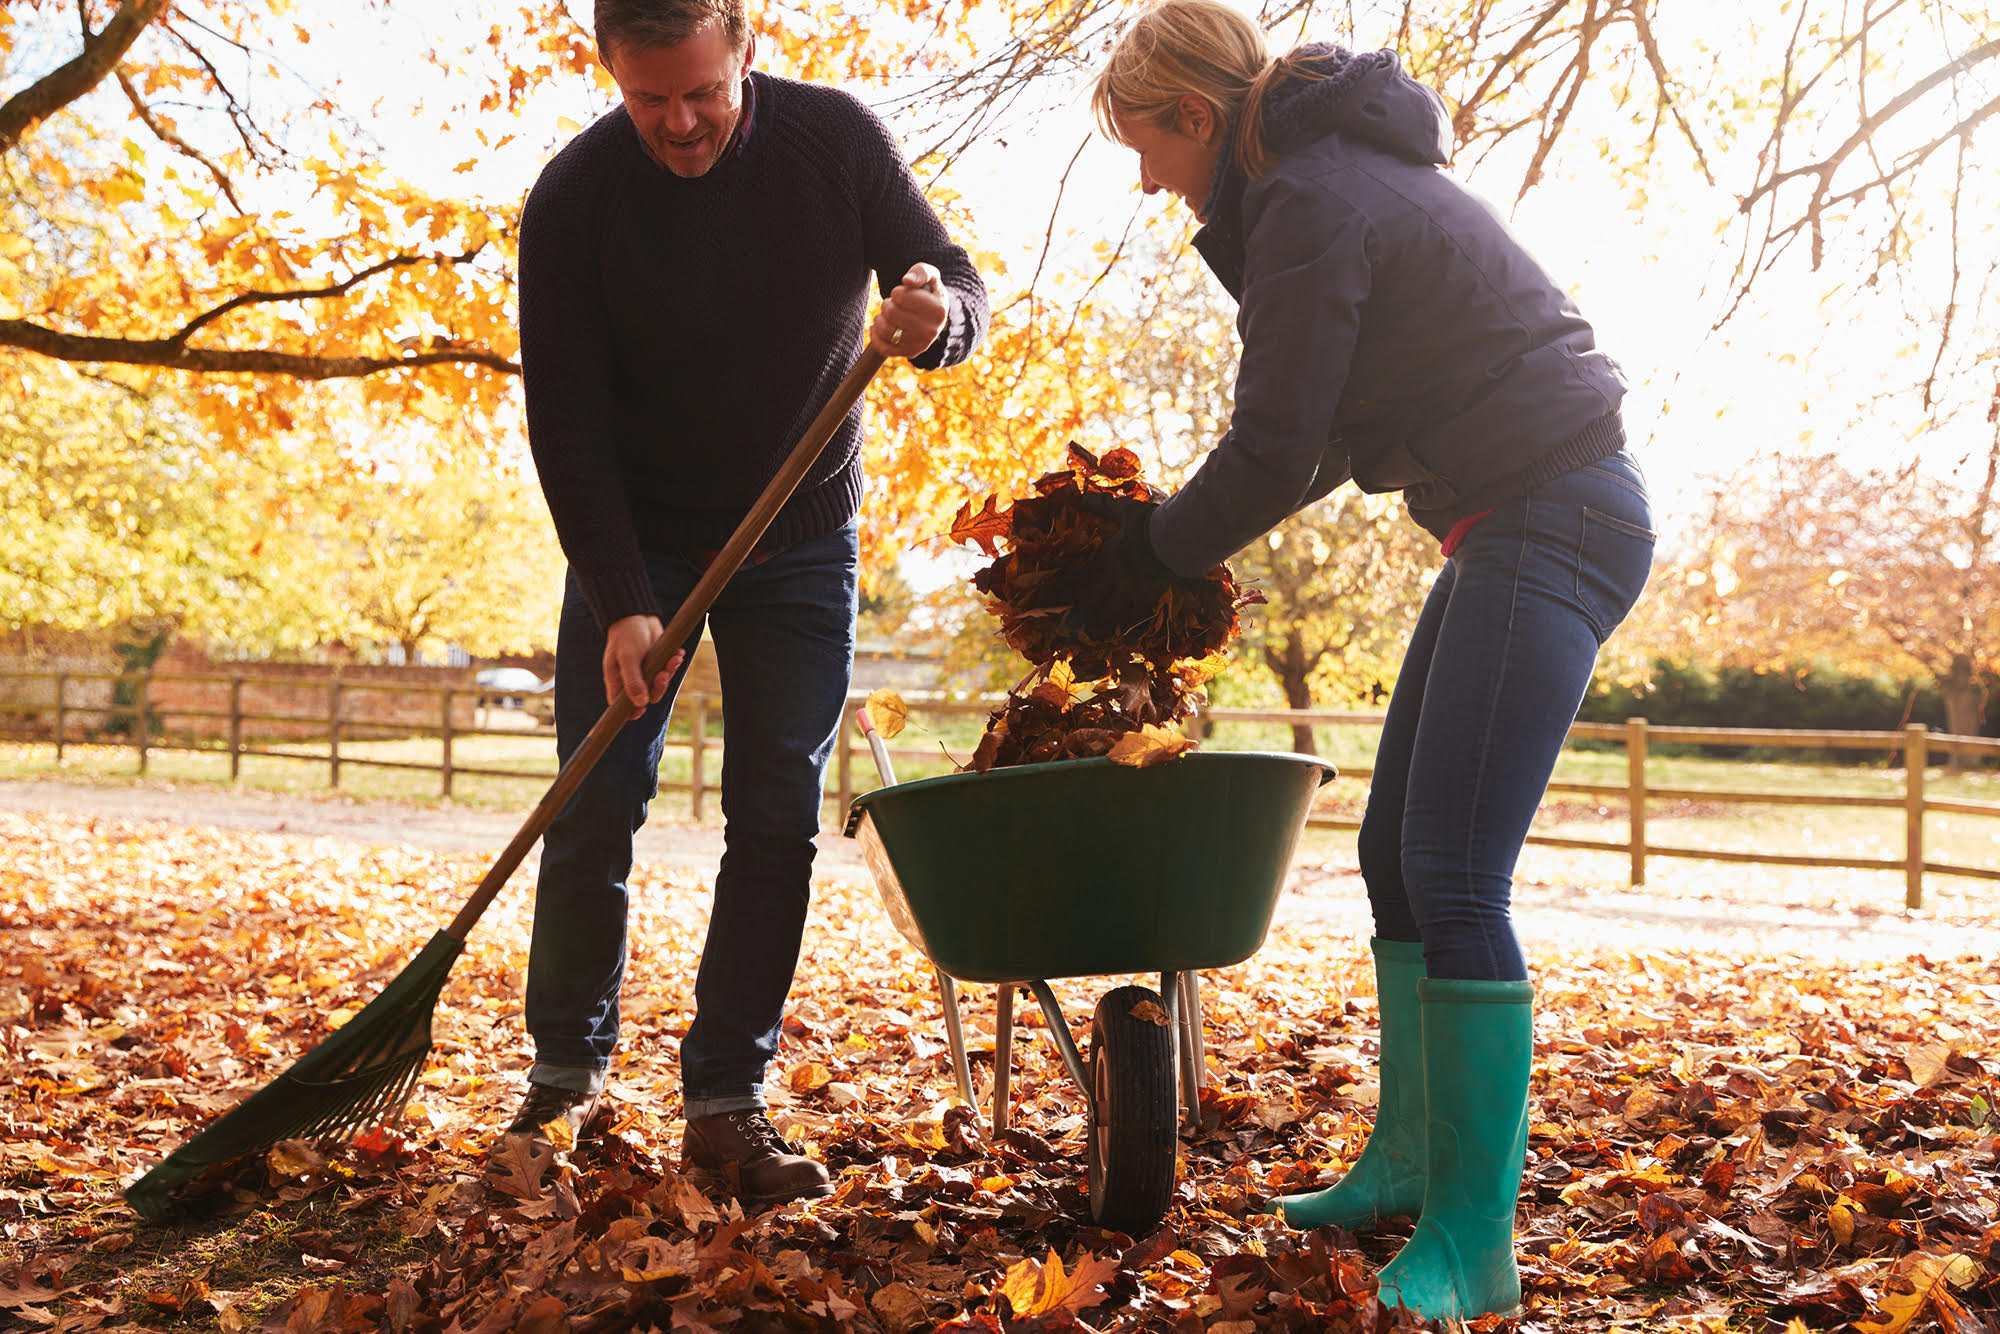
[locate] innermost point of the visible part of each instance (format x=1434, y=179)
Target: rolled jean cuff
x=694, y=1108
x=576, y=1078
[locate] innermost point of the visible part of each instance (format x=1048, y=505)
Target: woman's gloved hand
x=1120, y=587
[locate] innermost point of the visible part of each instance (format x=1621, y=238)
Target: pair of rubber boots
x=1450, y=1138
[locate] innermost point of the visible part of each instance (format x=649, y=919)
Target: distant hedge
x=1810, y=697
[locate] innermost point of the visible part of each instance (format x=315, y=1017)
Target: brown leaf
x=984, y=529
x=1150, y=1012
x=518, y=1165
x=294, y=1158
x=899, y=1306
x=1907, y=1295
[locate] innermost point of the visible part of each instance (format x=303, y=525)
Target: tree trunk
x=1964, y=703
x=1298, y=695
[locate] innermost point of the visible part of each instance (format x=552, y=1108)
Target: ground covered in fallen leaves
x=1719, y=1143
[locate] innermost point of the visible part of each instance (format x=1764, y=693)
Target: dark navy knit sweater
x=677, y=336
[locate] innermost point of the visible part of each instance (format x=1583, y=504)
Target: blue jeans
x=784, y=642
x=1496, y=670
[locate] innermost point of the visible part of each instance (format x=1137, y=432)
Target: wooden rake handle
x=679, y=629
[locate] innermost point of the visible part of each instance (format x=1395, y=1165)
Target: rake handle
x=678, y=630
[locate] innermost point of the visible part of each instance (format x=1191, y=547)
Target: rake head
x=359, y=1077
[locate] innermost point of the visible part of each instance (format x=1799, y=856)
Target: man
x=694, y=284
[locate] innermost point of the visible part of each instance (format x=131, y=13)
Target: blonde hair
x=1192, y=48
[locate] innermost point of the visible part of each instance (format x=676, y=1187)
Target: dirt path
x=1570, y=899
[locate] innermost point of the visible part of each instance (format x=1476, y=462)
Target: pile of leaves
x=1136, y=683
x=1717, y=1143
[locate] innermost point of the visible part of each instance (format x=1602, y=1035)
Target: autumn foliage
x=1089, y=694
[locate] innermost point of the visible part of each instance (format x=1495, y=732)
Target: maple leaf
x=888, y=712
x=1150, y=745
x=984, y=529
x=1036, y=1289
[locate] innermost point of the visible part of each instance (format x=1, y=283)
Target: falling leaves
x=888, y=712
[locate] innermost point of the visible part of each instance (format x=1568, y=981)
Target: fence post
x=845, y=764
x=140, y=720
x=235, y=728
x=698, y=753
x=62, y=716
x=1635, y=777
x=1916, y=755
x=333, y=732
x=445, y=732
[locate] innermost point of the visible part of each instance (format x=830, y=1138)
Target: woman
x=1395, y=332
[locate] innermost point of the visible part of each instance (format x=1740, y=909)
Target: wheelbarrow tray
x=1085, y=867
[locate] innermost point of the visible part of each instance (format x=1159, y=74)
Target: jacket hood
x=1366, y=97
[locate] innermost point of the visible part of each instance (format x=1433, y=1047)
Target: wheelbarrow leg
x=1003, y=1055
x=954, y=1033
x=1170, y=993
x=1194, y=1065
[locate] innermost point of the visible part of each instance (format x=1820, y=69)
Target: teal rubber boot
x=1388, y=1178
x=1478, y=1044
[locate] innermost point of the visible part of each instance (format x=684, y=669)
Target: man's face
x=684, y=99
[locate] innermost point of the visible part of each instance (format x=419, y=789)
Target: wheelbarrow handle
x=678, y=631
x=875, y=746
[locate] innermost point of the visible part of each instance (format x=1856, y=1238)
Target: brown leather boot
x=555, y=1116
x=747, y=1151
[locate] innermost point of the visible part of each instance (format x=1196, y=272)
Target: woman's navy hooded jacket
x=1394, y=330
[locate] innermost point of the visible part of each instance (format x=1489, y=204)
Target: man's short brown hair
x=648, y=23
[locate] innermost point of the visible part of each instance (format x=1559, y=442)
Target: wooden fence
x=1916, y=745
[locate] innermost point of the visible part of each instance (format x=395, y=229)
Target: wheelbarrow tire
x=1133, y=1131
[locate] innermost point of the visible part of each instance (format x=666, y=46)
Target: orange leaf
x=810, y=1076
x=888, y=712
x=985, y=528
x=1037, y=1289
x=1150, y=745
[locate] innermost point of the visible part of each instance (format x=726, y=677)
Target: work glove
x=1120, y=586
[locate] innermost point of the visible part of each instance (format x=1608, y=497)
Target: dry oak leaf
x=985, y=528
x=517, y=1165
x=1151, y=1012
x=1037, y=1289
x=1148, y=746
x=888, y=712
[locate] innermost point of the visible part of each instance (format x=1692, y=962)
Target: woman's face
x=1179, y=159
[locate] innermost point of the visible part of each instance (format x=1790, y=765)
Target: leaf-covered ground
x=1728, y=1143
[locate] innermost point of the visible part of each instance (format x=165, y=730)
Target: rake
x=363, y=1073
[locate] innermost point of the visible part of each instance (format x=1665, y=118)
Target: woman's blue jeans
x=784, y=643
x=1496, y=670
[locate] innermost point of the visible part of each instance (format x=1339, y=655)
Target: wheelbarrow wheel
x=1133, y=1109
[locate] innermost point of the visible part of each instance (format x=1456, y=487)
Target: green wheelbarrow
x=1087, y=868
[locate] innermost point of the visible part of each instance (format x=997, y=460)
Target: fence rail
x=1914, y=745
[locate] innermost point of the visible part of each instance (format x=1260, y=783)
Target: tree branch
x=171, y=354
x=167, y=135
x=71, y=80
x=317, y=293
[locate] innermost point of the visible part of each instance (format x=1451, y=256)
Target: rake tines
x=358, y=1077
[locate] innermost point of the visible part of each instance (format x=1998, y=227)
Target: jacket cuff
x=617, y=592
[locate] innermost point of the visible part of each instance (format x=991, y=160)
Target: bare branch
x=169, y=354
x=166, y=134
x=71, y=80
x=317, y=293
